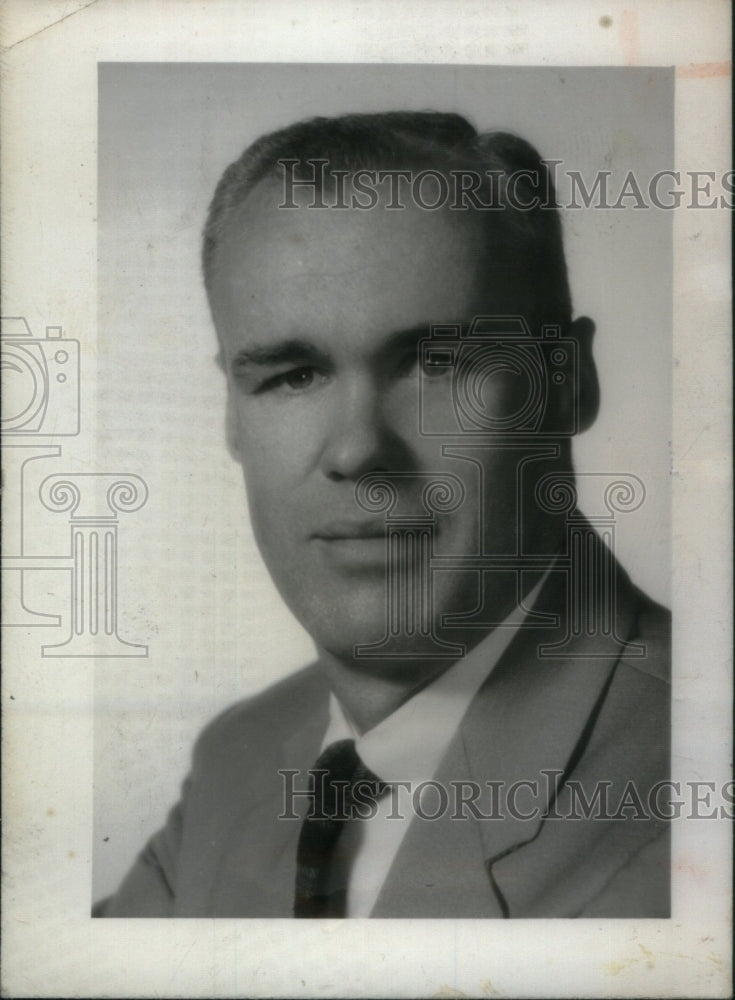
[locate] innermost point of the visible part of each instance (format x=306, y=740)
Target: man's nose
x=361, y=436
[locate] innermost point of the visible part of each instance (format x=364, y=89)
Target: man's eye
x=433, y=366
x=299, y=378
x=414, y=364
x=294, y=380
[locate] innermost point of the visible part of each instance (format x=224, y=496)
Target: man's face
x=320, y=313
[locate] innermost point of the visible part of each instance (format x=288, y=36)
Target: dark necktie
x=336, y=773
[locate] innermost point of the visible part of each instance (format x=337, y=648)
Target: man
x=485, y=731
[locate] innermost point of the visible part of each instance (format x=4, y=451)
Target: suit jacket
x=595, y=715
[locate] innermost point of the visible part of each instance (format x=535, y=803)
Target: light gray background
x=191, y=582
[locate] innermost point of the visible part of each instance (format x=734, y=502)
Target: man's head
x=496, y=169
x=321, y=313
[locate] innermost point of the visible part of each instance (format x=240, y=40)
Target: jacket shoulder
x=649, y=646
x=261, y=720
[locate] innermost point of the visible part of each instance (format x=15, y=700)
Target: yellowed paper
x=119, y=119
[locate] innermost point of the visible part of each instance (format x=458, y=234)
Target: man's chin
x=400, y=663
x=354, y=622
x=371, y=647
x=348, y=639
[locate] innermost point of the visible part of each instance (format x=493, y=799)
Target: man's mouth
x=354, y=546
x=351, y=530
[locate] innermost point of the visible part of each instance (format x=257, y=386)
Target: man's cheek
x=282, y=444
x=269, y=511
x=266, y=499
x=268, y=464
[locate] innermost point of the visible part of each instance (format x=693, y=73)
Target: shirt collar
x=409, y=744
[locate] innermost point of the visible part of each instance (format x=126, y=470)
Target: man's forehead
x=372, y=271
x=262, y=221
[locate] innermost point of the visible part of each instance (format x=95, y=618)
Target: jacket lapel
x=523, y=730
x=435, y=872
x=527, y=727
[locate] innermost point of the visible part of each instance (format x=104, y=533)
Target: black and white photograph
x=403, y=378
x=366, y=486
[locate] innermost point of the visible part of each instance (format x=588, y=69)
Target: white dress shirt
x=409, y=745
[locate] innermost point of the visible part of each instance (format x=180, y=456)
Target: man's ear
x=587, y=384
x=232, y=437
x=232, y=434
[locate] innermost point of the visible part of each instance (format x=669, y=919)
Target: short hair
x=531, y=238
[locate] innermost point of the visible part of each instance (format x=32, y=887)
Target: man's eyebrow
x=412, y=337
x=294, y=350
x=283, y=352
x=405, y=338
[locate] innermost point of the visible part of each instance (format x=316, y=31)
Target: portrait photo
x=449, y=393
